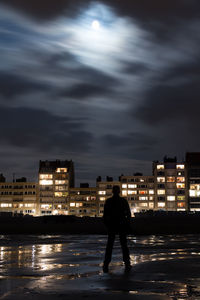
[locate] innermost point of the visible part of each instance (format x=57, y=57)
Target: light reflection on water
x=77, y=257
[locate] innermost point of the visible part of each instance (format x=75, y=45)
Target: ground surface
x=65, y=267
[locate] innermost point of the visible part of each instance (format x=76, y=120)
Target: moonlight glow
x=95, y=25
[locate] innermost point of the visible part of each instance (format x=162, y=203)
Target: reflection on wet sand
x=161, y=265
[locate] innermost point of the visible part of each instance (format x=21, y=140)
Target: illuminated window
x=102, y=192
x=151, y=192
x=194, y=193
x=46, y=206
x=180, y=179
x=79, y=204
x=102, y=198
x=143, y=198
x=61, y=181
x=160, y=167
x=141, y=180
x=180, y=198
x=161, y=204
x=160, y=179
x=61, y=170
x=61, y=188
x=124, y=192
x=132, y=192
x=195, y=187
x=58, y=194
x=180, y=185
x=132, y=186
x=6, y=205
x=143, y=204
x=161, y=192
x=29, y=205
x=46, y=182
x=151, y=205
x=124, y=186
x=142, y=192
x=171, y=198
x=180, y=166
x=150, y=198
x=170, y=179
x=72, y=204
x=46, y=176
x=181, y=204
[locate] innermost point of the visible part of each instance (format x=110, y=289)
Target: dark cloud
x=12, y=85
x=39, y=129
x=82, y=91
x=134, y=144
x=135, y=68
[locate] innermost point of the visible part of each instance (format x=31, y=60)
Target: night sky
x=112, y=85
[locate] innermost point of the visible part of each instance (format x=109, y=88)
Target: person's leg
x=125, y=250
x=108, y=253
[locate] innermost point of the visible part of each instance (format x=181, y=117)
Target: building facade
x=173, y=186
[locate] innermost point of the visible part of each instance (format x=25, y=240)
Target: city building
x=170, y=185
x=19, y=197
x=173, y=186
x=55, y=180
x=193, y=180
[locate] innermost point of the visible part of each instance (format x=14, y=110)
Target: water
x=164, y=267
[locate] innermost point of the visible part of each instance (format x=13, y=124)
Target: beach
x=68, y=266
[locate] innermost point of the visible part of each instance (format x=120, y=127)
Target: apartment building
x=55, y=180
x=193, y=180
x=19, y=196
x=139, y=192
x=170, y=185
x=83, y=201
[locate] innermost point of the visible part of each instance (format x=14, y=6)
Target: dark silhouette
x=117, y=217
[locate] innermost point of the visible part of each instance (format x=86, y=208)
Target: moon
x=95, y=25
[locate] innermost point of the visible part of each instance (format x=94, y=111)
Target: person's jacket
x=117, y=215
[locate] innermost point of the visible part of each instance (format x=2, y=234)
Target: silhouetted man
x=117, y=217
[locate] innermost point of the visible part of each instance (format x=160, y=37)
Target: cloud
x=85, y=91
x=12, y=85
x=39, y=129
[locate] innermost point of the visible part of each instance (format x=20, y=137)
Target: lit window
x=102, y=192
x=180, y=185
x=124, y=186
x=143, y=204
x=181, y=204
x=143, y=192
x=72, y=204
x=160, y=179
x=132, y=192
x=151, y=205
x=58, y=194
x=46, y=182
x=141, y=180
x=143, y=198
x=61, y=181
x=29, y=205
x=46, y=176
x=151, y=192
x=170, y=179
x=124, y=192
x=180, y=166
x=171, y=198
x=160, y=167
x=180, y=198
x=6, y=205
x=102, y=198
x=161, y=204
x=61, y=170
x=46, y=206
x=132, y=186
x=150, y=198
x=161, y=192
x=195, y=187
x=180, y=179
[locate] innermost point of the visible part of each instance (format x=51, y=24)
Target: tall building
x=170, y=185
x=193, y=180
x=55, y=180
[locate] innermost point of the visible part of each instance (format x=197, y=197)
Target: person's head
x=116, y=190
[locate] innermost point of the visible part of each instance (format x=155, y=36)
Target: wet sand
x=65, y=267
